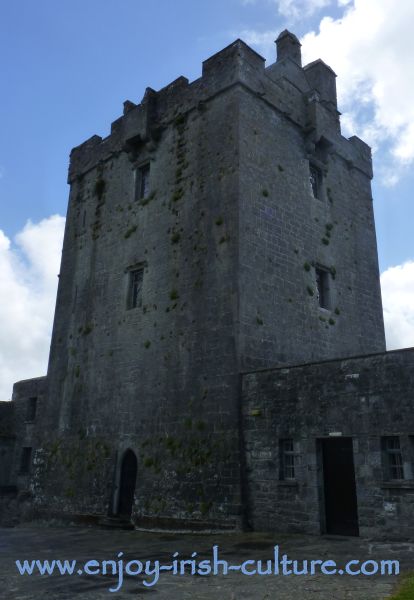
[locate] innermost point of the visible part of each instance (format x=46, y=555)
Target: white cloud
x=298, y=9
x=264, y=40
x=371, y=49
x=397, y=285
x=28, y=282
x=293, y=10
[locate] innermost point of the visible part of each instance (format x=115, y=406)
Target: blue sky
x=67, y=67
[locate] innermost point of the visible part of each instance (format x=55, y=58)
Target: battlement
x=306, y=96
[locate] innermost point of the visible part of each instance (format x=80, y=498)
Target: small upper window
x=135, y=287
x=323, y=287
x=31, y=409
x=144, y=179
x=315, y=179
x=287, y=459
x=393, y=457
x=25, y=460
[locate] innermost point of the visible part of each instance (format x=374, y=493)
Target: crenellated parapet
x=304, y=95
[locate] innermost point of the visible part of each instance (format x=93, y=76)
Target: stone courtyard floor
x=83, y=544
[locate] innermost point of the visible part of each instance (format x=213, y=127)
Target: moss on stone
x=130, y=231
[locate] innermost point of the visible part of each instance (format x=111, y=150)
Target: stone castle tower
x=223, y=226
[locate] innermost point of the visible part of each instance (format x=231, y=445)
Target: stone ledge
x=288, y=483
x=404, y=485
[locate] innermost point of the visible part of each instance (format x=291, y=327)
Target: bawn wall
x=364, y=398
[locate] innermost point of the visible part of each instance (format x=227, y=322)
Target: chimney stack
x=288, y=46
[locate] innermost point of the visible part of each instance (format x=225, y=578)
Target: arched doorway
x=127, y=483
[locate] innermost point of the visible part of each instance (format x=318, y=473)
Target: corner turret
x=288, y=46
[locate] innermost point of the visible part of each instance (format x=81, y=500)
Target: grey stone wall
x=26, y=426
x=7, y=440
x=285, y=232
x=162, y=378
x=365, y=398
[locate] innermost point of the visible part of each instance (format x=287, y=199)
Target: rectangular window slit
x=135, y=287
x=144, y=179
x=31, y=409
x=393, y=457
x=287, y=459
x=323, y=287
x=315, y=179
x=25, y=461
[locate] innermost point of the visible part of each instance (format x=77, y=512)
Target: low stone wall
x=364, y=398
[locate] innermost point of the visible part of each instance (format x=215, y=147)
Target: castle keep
x=218, y=354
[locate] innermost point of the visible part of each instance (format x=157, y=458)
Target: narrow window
x=25, y=461
x=75, y=299
x=287, y=460
x=134, y=287
x=322, y=287
x=315, y=178
x=143, y=177
x=31, y=409
x=393, y=457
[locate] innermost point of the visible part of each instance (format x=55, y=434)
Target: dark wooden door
x=127, y=484
x=341, y=508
